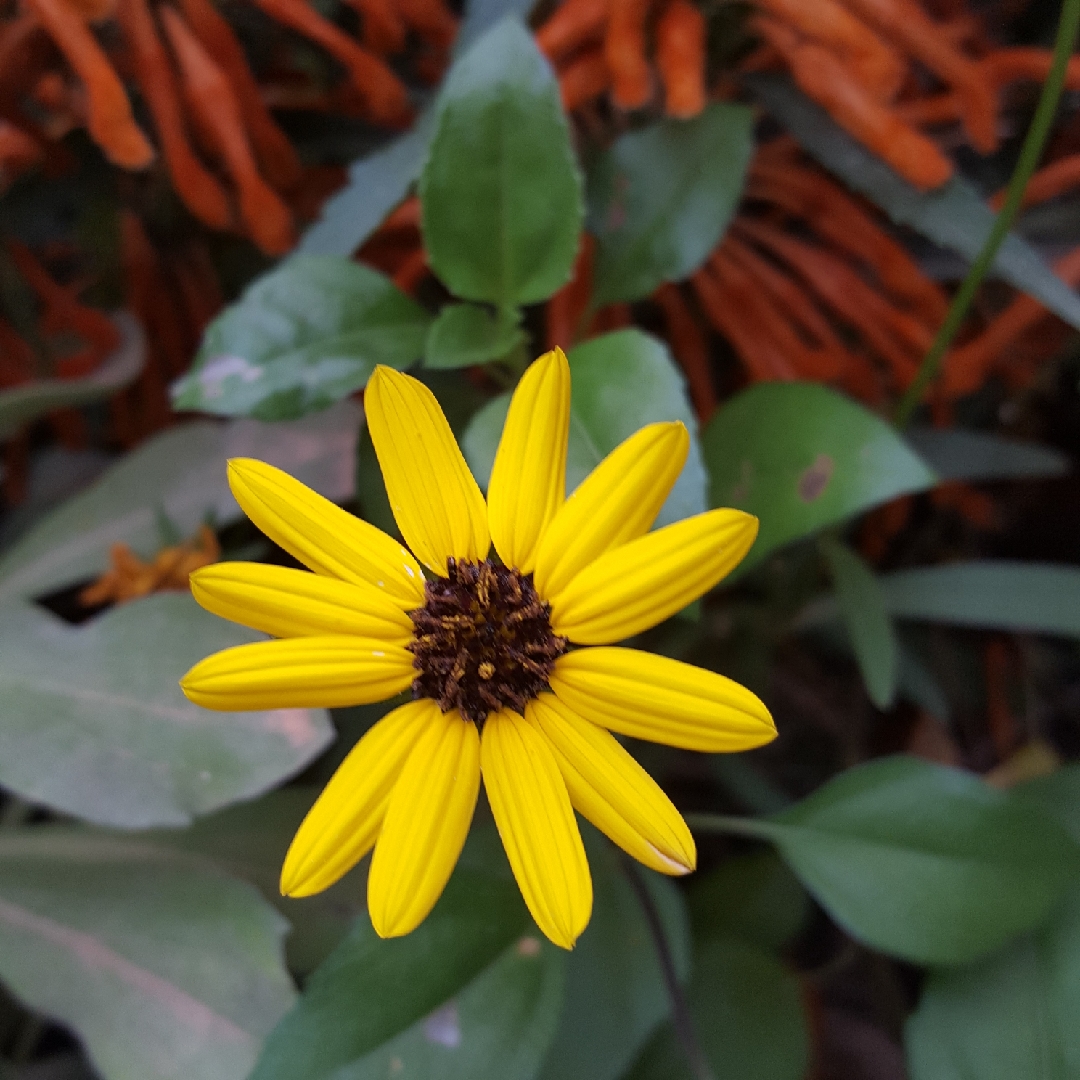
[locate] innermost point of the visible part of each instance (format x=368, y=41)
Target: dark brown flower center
x=483, y=640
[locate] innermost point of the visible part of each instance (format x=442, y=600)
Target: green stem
x=753, y=828
x=1030, y=153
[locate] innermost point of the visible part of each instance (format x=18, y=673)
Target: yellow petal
x=341, y=828
x=425, y=826
x=616, y=502
x=436, y=503
x=666, y=701
x=536, y=822
x=293, y=603
x=528, y=480
x=300, y=672
x=649, y=579
x=613, y=791
x=321, y=535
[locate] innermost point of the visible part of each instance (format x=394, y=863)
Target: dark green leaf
x=1014, y=1016
x=1058, y=794
x=748, y=1015
x=802, y=457
x=660, y=199
x=615, y=991
x=955, y=454
x=21, y=404
x=868, y=624
x=501, y=191
x=621, y=382
x=1038, y=598
x=166, y=969
x=305, y=335
x=94, y=722
x=180, y=473
x=467, y=334
x=924, y=862
x=376, y=184
x=954, y=216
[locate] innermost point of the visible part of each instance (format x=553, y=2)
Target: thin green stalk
x=1030, y=153
x=754, y=828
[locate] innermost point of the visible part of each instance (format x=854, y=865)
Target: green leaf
x=1058, y=794
x=180, y=473
x=165, y=969
x=748, y=1016
x=924, y=862
x=501, y=191
x=22, y=404
x=953, y=216
x=466, y=334
x=955, y=454
x=376, y=184
x=1037, y=598
x=621, y=382
x=615, y=990
x=660, y=199
x=802, y=457
x=303, y=336
x=94, y=722
x=470, y=989
x=868, y=624
x=1015, y=1016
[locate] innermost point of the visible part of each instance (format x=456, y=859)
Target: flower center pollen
x=483, y=640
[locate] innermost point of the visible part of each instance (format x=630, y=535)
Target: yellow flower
x=484, y=644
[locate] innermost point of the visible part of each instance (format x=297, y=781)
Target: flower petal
x=662, y=700
x=616, y=502
x=425, y=827
x=300, y=672
x=651, y=578
x=321, y=535
x=342, y=826
x=613, y=791
x=536, y=822
x=293, y=603
x=528, y=480
x=435, y=500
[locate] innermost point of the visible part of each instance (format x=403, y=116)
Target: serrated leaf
x=953, y=216
x=302, y=337
x=659, y=199
x=21, y=404
x=94, y=722
x=501, y=190
x=466, y=334
x=620, y=382
x=802, y=457
x=956, y=454
x=165, y=969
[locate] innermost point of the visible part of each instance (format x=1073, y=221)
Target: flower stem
x=1030, y=152
x=680, y=1011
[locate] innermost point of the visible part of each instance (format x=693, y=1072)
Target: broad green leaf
x=868, y=624
x=953, y=216
x=93, y=721
x=802, y=457
x=748, y=1016
x=924, y=862
x=621, y=382
x=374, y=999
x=166, y=969
x=1058, y=794
x=615, y=990
x=181, y=474
x=1038, y=598
x=501, y=190
x=1014, y=1016
x=303, y=336
x=21, y=404
x=376, y=184
x=955, y=454
x=659, y=199
x=466, y=334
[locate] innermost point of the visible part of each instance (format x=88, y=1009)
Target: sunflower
x=485, y=644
